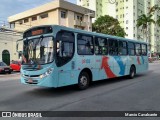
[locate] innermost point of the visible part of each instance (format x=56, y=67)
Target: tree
x=157, y=38
x=158, y=21
x=144, y=21
x=154, y=9
x=108, y=25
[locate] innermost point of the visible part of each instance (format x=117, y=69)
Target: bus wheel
x=132, y=72
x=83, y=81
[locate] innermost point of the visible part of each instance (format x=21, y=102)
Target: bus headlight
x=48, y=72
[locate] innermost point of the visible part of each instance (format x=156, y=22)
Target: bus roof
x=87, y=32
x=96, y=34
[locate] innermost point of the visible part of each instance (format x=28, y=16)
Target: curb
x=9, y=74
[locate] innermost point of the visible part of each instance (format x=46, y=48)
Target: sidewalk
x=12, y=74
x=156, y=61
x=6, y=77
x=9, y=76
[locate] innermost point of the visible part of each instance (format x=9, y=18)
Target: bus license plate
x=30, y=80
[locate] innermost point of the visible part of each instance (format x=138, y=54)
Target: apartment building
x=127, y=12
x=154, y=30
x=58, y=12
x=101, y=7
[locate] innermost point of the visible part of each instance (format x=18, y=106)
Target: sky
x=12, y=7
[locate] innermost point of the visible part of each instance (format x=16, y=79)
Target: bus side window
x=101, y=46
x=113, y=46
x=138, y=49
x=144, y=50
x=122, y=49
x=85, y=45
x=131, y=48
x=64, y=47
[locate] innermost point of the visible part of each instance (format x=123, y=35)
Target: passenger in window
x=82, y=50
x=49, y=55
x=88, y=50
x=58, y=49
x=120, y=51
x=96, y=50
x=104, y=50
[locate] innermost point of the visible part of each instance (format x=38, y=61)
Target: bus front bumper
x=48, y=81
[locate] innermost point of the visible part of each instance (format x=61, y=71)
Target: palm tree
x=158, y=21
x=154, y=9
x=157, y=38
x=144, y=21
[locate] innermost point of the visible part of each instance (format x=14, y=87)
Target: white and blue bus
x=56, y=56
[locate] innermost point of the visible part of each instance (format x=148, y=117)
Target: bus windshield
x=38, y=51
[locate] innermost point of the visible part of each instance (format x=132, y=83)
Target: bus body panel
x=49, y=81
x=65, y=74
x=120, y=65
x=101, y=66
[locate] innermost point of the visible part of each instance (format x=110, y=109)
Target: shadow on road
x=54, y=92
x=26, y=93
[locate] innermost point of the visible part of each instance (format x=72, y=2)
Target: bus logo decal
x=98, y=60
x=143, y=60
x=138, y=60
x=105, y=65
x=85, y=61
x=121, y=65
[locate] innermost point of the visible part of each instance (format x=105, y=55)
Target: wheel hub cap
x=83, y=81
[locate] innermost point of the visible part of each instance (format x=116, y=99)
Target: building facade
x=8, y=40
x=58, y=12
x=154, y=29
x=127, y=12
x=101, y=7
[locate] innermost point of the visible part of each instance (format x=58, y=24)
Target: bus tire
x=132, y=72
x=83, y=81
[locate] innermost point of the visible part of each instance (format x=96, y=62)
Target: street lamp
x=88, y=14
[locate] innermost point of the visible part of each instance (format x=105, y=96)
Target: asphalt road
x=122, y=94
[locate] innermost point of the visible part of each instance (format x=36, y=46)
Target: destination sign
x=37, y=32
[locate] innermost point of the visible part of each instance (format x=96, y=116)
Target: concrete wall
x=8, y=42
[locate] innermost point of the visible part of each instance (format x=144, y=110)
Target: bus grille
x=33, y=82
x=31, y=76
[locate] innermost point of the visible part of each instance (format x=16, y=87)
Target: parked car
x=15, y=65
x=4, y=68
x=150, y=60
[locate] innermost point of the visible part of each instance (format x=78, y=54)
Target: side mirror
x=17, y=47
x=61, y=48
